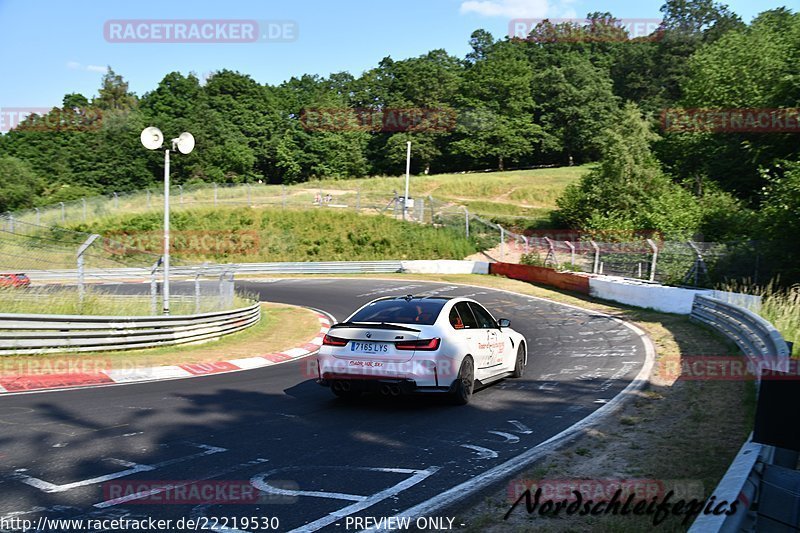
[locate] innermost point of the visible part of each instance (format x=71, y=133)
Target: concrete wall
x=446, y=267
x=545, y=276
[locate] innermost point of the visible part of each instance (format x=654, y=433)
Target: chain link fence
x=73, y=256
x=49, y=245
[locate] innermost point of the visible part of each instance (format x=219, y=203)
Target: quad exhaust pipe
x=390, y=390
x=343, y=386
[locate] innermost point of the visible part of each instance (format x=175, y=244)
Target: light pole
x=408, y=172
x=152, y=139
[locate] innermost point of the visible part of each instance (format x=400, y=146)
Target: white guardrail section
x=756, y=337
x=329, y=267
x=28, y=334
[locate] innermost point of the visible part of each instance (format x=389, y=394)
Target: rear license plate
x=369, y=347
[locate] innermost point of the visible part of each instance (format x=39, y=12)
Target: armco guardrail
x=28, y=334
x=751, y=333
x=329, y=267
x=756, y=337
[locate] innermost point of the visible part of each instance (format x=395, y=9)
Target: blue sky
x=52, y=47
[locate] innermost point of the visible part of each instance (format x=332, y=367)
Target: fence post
x=81, y=250
x=180, y=194
x=527, y=246
x=551, y=252
x=83, y=201
x=37, y=215
x=654, y=248
x=222, y=289
x=502, y=242
x=571, y=252
x=148, y=198
x=249, y=200
x=421, y=214
x=116, y=201
x=229, y=291
x=154, y=287
x=63, y=216
x=215, y=194
x=466, y=221
x=283, y=193
x=197, y=292
x=596, y=263
x=11, y=223
x=358, y=198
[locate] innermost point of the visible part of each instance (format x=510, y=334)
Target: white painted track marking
x=368, y=501
x=510, y=439
x=133, y=468
x=483, y=453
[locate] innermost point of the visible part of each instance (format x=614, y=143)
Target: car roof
x=410, y=297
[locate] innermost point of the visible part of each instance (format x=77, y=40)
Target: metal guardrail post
x=81, y=250
x=596, y=263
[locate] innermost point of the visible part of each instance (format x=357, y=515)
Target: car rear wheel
x=465, y=383
x=519, y=366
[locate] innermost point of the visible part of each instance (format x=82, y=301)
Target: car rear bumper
x=386, y=386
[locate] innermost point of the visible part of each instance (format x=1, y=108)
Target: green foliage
x=18, y=184
x=628, y=191
x=297, y=235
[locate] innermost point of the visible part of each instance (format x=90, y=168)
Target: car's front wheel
x=465, y=383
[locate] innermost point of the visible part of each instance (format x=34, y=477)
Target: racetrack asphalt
x=314, y=460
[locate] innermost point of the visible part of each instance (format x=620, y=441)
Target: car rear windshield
x=401, y=311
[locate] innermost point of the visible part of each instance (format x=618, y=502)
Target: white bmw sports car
x=414, y=344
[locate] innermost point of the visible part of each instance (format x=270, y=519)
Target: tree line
x=569, y=93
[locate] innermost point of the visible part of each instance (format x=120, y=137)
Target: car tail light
x=330, y=340
x=425, y=345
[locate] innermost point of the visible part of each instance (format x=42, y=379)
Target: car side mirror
x=503, y=323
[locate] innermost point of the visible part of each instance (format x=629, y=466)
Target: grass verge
x=65, y=301
x=281, y=327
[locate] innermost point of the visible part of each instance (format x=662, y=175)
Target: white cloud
x=507, y=8
x=74, y=65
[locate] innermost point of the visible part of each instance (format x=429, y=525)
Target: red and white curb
x=36, y=382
